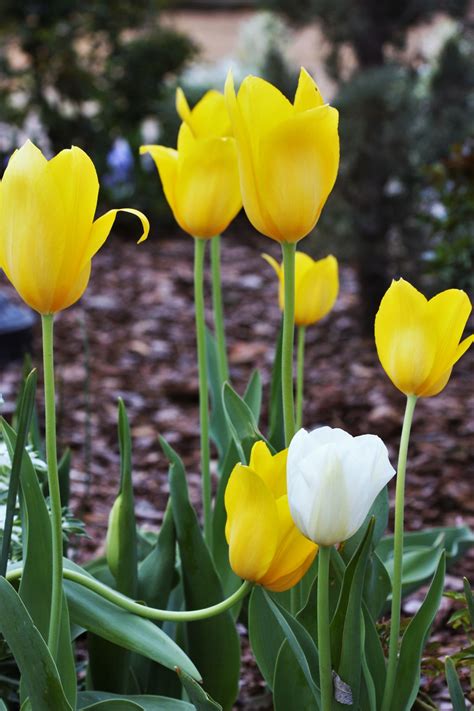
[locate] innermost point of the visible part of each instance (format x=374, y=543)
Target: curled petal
x=307, y=94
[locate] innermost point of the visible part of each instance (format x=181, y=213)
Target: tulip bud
x=418, y=341
x=333, y=480
x=48, y=235
x=316, y=286
x=288, y=154
x=264, y=544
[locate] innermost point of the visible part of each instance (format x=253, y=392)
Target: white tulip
x=333, y=480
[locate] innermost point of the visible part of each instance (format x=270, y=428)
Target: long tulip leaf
x=39, y=673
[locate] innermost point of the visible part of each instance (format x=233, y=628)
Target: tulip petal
x=307, y=94
x=209, y=117
x=448, y=313
x=294, y=554
x=207, y=187
x=253, y=204
x=271, y=468
x=252, y=523
x=166, y=161
x=67, y=294
x=433, y=387
x=405, y=337
x=316, y=291
x=102, y=226
x=32, y=247
x=297, y=165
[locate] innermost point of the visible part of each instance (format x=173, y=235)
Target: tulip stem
x=398, y=553
x=142, y=610
x=218, y=308
x=289, y=250
x=53, y=484
x=300, y=377
x=199, y=254
x=324, y=645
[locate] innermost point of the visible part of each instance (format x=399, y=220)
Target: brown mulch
x=132, y=336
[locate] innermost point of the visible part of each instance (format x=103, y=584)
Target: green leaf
x=300, y=643
x=241, y=422
x=290, y=687
x=25, y=412
x=379, y=510
x=2, y=706
x=118, y=704
x=214, y=642
x=345, y=629
x=373, y=659
x=218, y=426
x=408, y=670
x=122, y=530
x=148, y=703
x=469, y=600
x=220, y=549
x=276, y=430
x=64, y=471
x=39, y=673
x=103, y=618
x=253, y=394
x=156, y=578
x=37, y=566
x=377, y=585
x=265, y=636
x=201, y=700
x=108, y=664
x=419, y=558
x=455, y=689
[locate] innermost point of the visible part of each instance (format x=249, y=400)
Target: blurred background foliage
x=102, y=75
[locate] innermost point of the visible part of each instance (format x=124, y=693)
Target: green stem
x=149, y=613
x=218, y=308
x=53, y=484
x=199, y=254
x=300, y=377
x=398, y=553
x=289, y=250
x=324, y=646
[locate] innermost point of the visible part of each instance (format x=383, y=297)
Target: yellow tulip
x=418, y=341
x=288, y=154
x=264, y=544
x=200, y=179
x=48, y=235
x=316, y=286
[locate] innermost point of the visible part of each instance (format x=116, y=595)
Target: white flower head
x=333, y=480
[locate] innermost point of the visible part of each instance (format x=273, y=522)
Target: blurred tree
x=86, y=74
x=394, y=120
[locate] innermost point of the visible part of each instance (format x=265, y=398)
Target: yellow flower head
x=48, y=235
x=288, y=154
x=418, y=341
x=200, y=179
x=316, y=286
x=264, y=544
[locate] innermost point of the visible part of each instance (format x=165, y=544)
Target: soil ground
x=132, y=336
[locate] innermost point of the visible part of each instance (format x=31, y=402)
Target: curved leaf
x=148, y=703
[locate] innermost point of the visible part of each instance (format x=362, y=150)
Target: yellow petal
x=67, y=294
x=209, y=117
x=432, y=386
x=294, y=554
x=297, y=166
x=307, y=94
x=33, y=229
x=166, y=160
x=404, y=335
x=102, y=226
x=316, y=291
x=448, y=313
x=252, y=524
x=207, y=196
x=254, y=206
x=77, y=187
x=271, y=468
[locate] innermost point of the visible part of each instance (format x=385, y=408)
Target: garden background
x=103, y=75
